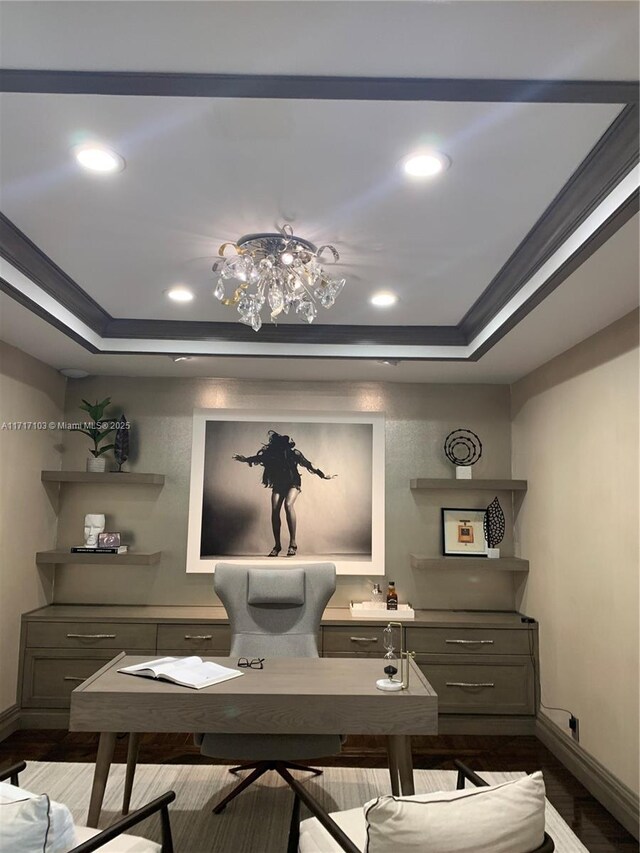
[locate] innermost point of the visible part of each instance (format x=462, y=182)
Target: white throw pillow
x=31, y=823
x=505, y=818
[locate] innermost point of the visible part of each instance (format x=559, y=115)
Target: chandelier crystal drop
x=278, y=272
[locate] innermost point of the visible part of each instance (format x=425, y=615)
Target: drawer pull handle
x=470, y=684
x=471, y=642
x=73, y=678
x=363, y=639
x=198, y=636
x=92, y=636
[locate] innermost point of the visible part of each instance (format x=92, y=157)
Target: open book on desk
x=187, y=672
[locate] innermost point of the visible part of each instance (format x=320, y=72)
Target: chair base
x=259, y=768
x=290, y=765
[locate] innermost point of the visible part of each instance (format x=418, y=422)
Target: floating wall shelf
x=123, y=478
x=468, y=485
x=132, y=558
x=503, y=564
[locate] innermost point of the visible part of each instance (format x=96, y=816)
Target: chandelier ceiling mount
x=279, y=272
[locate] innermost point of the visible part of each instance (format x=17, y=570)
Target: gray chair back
x=275, y=612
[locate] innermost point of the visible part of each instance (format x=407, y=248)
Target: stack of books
x=83, y=549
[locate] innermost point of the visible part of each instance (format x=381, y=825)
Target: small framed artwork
x=109, y=540
x=463, y=532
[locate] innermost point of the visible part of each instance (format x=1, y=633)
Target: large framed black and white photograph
x=287, y=486
x=463, y=532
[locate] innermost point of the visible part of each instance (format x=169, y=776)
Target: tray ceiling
x=202, y=171
x=542, y=169
x=552, y=328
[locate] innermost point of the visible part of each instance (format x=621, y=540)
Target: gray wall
x=29, y=391
x=417, y=419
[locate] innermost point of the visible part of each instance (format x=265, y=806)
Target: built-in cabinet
x=482, y=665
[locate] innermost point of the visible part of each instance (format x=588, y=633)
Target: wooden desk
x=289, y=696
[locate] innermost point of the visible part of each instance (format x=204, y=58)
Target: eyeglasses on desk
x=254, y=663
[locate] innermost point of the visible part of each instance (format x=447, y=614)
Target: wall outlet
x=574, y=725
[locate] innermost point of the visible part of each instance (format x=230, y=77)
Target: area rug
x=258, y=820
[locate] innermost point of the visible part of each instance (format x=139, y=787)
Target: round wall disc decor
x=462, y=447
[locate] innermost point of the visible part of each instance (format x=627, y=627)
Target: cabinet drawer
x=354, y=640
x=467, y=641
x=123, y=636
x=50, y=676
x=473, y=686
x=195, y=638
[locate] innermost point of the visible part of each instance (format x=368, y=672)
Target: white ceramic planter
x=493, y=553
x=463, y=472
x=96, y=464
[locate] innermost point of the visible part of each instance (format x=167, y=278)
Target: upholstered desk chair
x=273, y=613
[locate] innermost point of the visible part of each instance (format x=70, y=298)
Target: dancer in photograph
x=281, y=462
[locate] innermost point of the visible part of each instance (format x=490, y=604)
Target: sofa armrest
x=11, y=772
x=121, y=826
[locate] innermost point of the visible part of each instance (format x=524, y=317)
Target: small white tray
x=373, y=610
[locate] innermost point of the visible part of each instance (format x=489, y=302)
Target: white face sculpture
x=93, y=524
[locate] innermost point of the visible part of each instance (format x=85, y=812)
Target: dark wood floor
x=595, y=827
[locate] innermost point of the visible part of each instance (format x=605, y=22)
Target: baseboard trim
x=614, y=795
x=9, y=721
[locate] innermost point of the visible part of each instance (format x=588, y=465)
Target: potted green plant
x=97, y=432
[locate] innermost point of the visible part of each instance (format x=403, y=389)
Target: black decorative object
x=494, y=524
x=462, y=447
x=121, y=442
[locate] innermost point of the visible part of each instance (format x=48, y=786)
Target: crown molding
x=622, y=215
x=187, y=85
x=613, y=156
x=23, y=254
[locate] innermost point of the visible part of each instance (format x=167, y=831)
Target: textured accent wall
x=29, y=391
x=575, y=437
x=418, y=417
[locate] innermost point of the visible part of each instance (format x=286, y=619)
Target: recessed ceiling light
x=180, y=294
x=384, y=299
x=74, y=372
x=426, y=164
x=177, y=358
x=98, y=158
x=389, y=362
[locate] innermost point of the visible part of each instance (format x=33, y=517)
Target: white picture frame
x=367, y=436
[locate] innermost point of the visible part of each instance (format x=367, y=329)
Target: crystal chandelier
x=278, y=272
